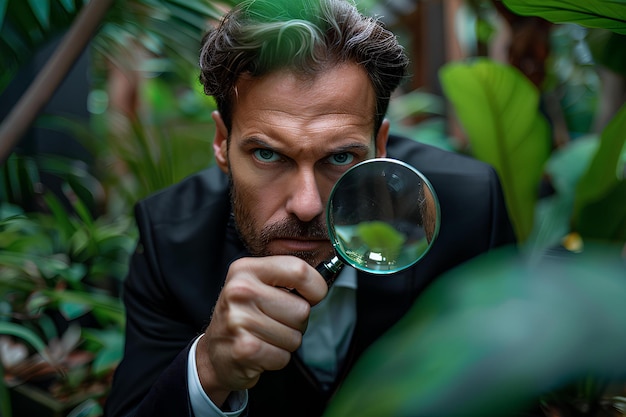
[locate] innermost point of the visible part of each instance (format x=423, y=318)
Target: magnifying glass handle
x=329, y=270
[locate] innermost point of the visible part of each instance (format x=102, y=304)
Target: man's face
x=291, y=139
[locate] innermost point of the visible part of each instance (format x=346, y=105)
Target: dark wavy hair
x=307, y=36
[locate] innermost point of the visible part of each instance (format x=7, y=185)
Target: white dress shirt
x=324, y=347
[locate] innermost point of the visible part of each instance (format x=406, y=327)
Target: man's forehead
x=304, y=79
x=345, y=84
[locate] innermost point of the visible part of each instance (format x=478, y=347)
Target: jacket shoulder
x=188, y=198
x=433, y=160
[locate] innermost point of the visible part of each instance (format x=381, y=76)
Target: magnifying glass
x=383, y=216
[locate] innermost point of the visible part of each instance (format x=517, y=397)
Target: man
x=301, y=88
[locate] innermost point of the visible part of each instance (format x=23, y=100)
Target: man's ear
x=220, y=142
x=381, y=139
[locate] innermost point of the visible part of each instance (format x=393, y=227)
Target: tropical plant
x=605, y=14
x=60, y=274
x=501, y=114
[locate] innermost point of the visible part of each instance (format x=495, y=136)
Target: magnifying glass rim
x=333, y=235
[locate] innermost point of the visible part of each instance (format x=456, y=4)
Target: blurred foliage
x=519, y=332
x=167, y=31
x=572, y=78
x=22, y=185
x=169, y=139
x=604, y=14
x=607, y=49
x=27, y=25
x=61, y=267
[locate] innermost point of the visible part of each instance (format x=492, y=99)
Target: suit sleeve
x=501, y=229
x=151, y=380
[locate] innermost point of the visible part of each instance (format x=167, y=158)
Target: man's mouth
x=299, y=244
x=287, y=244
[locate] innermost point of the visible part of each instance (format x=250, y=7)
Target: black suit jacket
x=187, y=243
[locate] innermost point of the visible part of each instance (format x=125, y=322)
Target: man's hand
x=256, y=324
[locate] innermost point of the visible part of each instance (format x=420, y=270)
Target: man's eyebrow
x=357, y=147
x=255, y=141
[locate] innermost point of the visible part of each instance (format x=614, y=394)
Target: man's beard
x=257, y=242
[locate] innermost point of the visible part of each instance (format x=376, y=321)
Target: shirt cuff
x=201, y=404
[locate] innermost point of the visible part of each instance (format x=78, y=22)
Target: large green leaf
x=492, y=336
x=600, y=202
x=607, y=14
x=499, y=110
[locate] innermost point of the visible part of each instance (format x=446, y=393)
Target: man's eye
x=266, y=155
x=341, y=158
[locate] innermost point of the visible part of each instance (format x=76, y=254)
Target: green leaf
x=36, y=302
x=553, y=213
x=68, y=5
x=607, y=49
x=568, y=164
x=602, y=173
x=111, y=348
x=79, y=205
x=88, y=408
x=41, y=10
x=600, y=184
x=605, y=219
x=61, y=216
x=108, y=307
x=74, y=273
x=201, y=8
x=607, y=14
x=71, y=311
x=499, y=109
x=3, y=11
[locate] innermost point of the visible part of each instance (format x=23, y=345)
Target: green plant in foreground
x=498, y=335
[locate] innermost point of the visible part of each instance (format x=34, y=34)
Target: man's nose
x=305, y=201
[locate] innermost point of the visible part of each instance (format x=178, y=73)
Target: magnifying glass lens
x=382, y=215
